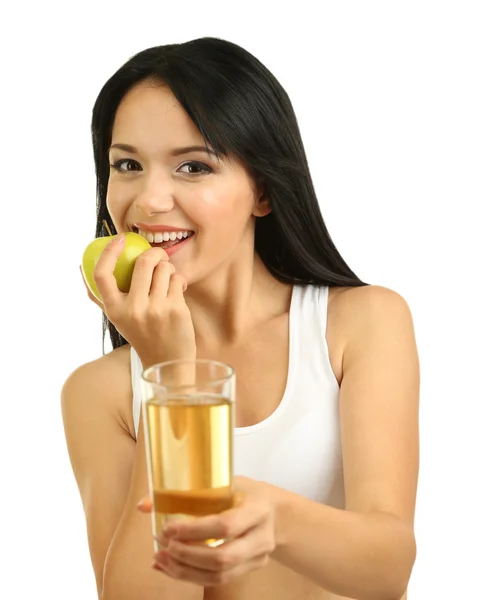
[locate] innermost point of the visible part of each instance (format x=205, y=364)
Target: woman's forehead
x=152, y=116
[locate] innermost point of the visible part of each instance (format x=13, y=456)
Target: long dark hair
x=242, y=111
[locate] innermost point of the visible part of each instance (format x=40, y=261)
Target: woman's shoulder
x=361, y=289
x=102, y=383
x=353, y=300
x=355, y=310
x=100, y=369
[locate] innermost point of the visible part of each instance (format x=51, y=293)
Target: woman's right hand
x=153, y=316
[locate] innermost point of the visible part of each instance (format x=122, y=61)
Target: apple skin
x=135, y=245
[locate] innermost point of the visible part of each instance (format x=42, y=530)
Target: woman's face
x=156, y=182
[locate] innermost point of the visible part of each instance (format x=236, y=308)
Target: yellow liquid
x=190, y=458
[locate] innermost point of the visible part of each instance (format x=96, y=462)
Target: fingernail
x=120, y=239
x=144, y=504
x=185, y=286
x=162, y=540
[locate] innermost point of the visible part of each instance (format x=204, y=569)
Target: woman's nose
x=157, y=197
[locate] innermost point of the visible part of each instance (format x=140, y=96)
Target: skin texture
x=283, y=546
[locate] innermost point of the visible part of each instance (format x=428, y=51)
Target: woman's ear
x=262, y=206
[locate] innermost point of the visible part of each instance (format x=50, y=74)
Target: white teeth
x=165, y=236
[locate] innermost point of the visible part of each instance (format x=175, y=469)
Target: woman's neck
x=231, y=302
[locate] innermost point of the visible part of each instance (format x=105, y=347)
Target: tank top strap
x=314, y=350
x=136, y=370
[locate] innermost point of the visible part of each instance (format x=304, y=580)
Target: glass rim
x=178, y=361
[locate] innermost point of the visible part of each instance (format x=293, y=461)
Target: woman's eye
x=196, y=168
x=117, y=166
x=127, y=165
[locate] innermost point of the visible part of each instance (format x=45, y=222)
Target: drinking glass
x=188, y=415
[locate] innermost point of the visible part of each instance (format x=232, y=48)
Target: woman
x=197, y=148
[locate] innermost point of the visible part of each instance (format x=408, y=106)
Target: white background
x=386, y=97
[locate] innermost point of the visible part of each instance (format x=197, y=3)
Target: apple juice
x=190, y=457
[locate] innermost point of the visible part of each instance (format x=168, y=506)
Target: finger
x=103, y=272
x=255, y=543
x=172, y=567
x=162, y=541
x=177, y=286
x=143, y=273
x=228, y=524
x=161, y=280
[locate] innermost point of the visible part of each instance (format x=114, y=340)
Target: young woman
x=197, y=148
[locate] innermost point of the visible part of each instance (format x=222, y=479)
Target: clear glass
x=188, y=412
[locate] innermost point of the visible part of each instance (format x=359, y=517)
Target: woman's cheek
x=117, y=206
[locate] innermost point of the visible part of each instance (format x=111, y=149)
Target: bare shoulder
x=105, y=380
x=364, y=295
x=116, y=360
x=358, y=314
x=357, y=308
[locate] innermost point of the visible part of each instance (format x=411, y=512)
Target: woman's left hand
x=249, y=526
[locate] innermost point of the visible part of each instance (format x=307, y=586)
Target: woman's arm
x=101, y=450
x=368, y=550
x=110, y=470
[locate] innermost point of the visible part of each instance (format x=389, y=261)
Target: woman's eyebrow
x=174, y=152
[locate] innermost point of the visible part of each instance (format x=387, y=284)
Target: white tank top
x=298, y=446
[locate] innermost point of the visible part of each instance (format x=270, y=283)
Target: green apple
x=135, y=245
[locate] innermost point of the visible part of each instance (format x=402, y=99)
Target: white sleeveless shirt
x=298, y=446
